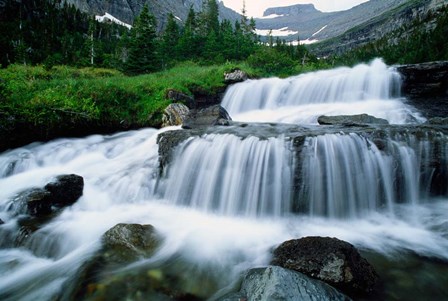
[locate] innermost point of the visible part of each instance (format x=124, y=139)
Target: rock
x=1, y=222
x=214, y=115
x=174, y=114
x=437, y=121
x=176, y=96
x=235, y=76
x=64, y=191
x=278, y=284
x=350, y=120
x=334, y=261
x=425, y=79
x=129, y=242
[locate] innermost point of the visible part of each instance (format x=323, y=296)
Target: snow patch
x=272, y=16
x=282, y=32
x=319, y=30
x=176, y=17
x=109, y=18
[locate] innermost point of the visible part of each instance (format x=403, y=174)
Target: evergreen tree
x=188, y=42
x=170, y=40
x=142, y=49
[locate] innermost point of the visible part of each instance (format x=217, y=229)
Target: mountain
x=308, y=23
x=127, y=10
x=393, y=25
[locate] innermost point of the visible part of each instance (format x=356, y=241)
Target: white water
x=224, y=203
x=372, y=89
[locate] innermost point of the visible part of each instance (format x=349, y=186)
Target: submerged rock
x=350, y=120
x=214, y=115
x=174, y=114
x=277, y=284
x=235, y=76
x=334, y=261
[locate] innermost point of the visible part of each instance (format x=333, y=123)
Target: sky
x=255, y=8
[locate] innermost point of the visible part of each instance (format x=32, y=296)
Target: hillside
x=393, y=25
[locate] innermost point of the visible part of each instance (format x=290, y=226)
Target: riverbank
x=39, y=105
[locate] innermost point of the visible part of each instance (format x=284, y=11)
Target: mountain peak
x=292, y=10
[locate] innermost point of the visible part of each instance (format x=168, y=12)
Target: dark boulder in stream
x=64, y=191
x=331, y=260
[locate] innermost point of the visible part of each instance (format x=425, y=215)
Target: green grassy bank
x=66, y=101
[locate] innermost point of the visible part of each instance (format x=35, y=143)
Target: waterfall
x=373, y=89
x=347, y=175
x=224, y=200
x=230, y=175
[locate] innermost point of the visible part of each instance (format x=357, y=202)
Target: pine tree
x=170, y=40
x=142, y=49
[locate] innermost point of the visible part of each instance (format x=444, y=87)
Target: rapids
x=224, y=202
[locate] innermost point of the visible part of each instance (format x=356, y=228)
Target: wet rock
x=214, y=115
x=425, y=79
x=129, y=242
x=437, y=121
x=174, y=114
x=277, y=284
x=350, y=120
x=235, y=76
x=331, y=260
x=64, y=191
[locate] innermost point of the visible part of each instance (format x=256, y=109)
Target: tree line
x=52, y=32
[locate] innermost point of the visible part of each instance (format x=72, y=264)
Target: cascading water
x=233, y=176
x=225, y=201
x=373, y=89
x=348, y=176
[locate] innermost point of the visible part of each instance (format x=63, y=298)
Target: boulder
x=174, y=114
x=214, y=115
x=235, y=76
x=128, y=242
x=331, y=260
x=350, y=120
x=278, y=284
x=64, y=191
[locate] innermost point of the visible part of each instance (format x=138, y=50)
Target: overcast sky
x=256, y=8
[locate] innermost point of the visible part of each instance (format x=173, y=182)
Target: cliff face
x=127, y=10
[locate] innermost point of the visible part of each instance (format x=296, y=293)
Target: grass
x=51, y=97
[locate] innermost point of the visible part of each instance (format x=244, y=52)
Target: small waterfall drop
x=347, y=175
x=232, y=176
x=373, y=89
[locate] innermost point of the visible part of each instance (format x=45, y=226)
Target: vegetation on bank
x=100, y=96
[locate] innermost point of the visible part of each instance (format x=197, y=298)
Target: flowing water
x=225, y=201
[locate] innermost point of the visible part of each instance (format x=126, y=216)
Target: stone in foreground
x=277, y=284
x=331, y=260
